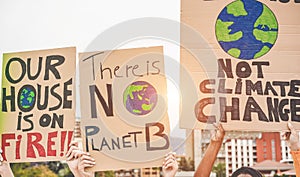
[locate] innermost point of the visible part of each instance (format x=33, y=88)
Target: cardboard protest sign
x=38, y=105
x=240, y=64
x=124, y=107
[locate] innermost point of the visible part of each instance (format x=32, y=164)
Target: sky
x=35, y=25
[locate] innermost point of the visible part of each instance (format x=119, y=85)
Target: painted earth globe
x=27, y=98
x=246, y=29
x=140, y=98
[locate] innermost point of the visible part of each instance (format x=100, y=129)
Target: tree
x=220, y=169
x=105, y=173
x=25, y=170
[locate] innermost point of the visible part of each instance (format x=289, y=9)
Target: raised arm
x=206, y=164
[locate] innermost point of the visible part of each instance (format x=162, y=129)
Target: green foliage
x=25, y=170
x=109, y=174
x=47, y=169
x=105, y=173
x=59, y=168
x=220, y=169
x=65, y=171
x=17, y=168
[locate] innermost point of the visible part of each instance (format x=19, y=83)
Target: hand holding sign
x=219, y=133
x=170, y=165
x=79, y=160
x=4, y=167
x=292, y=138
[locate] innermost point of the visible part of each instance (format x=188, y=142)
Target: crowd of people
x=79, y=161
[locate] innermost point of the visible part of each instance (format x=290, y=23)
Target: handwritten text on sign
x=37, y=100
x=240, y=60
x=123, y=104
x=279, y=107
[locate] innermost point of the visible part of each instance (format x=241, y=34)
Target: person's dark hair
x=248, y=171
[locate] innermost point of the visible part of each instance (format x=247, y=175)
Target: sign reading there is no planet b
x=124, y=107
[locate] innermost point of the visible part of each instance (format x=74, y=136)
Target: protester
x=244, y=171
x=79, y=161
x=5, y=170
x=205, y=167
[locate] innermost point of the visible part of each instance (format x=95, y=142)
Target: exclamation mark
x=62, y=142
x=70, y=136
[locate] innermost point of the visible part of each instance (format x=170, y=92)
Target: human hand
x=219, y=133
x=170, y=165
x=86, y=161
x=77, y=161
x=72, y=157
x=292, y=138
x=5, y=169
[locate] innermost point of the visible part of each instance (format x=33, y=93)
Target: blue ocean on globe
x=246, y=29
x=140, y=98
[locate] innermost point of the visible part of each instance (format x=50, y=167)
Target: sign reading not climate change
x=241, y=62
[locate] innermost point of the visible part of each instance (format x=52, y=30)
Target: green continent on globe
x=237, y=9
x=136, y=88
x=267, y=21
x=234, y=52
x=264, y=50
x=133, y=88
x=222, y=32
x=147, y=107
x=266, y=18
x=140, y=98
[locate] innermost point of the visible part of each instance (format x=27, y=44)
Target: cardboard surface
x=124, y=107
x=240, y=64
x=38, y=104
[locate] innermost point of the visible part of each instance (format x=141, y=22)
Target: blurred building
x=238, y=153
x=241, y=148
x=268, y=147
